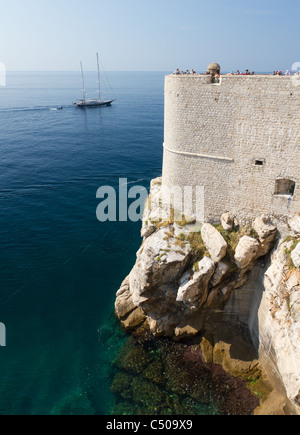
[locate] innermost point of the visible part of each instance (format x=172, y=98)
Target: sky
x=149, y=35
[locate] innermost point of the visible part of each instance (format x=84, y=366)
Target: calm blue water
x=59, y=267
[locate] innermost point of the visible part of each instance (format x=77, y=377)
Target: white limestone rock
x=295, y=225
x=227, y=221
x=279, y=322
x=196, y=288
x=296, y=256
x=246, y=251
x=267, y=233
x=124, y=304
x=159, y=262
x=129, y=315
x=264, y=228
x=152, y=212
x=214, y=242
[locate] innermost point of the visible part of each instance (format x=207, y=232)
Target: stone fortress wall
x=238, y=138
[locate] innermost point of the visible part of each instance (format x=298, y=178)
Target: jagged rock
x=147, y=230
x=214, y=242
x=159, y=262
x=279, y=320
x=293, y=281
x=185, y=331
x=221, y=270
x=196, y=289
x=130, y=315
x=152, y=211
x=162, y=325
x=296, y=256
x=236, y=223
x=178, y=302
x=264, y=228
x=134, y=319
x=227, y=221
x=246, y=251
x=295, y=225
x=124, y=304
x=191, y=325
x=266, y=232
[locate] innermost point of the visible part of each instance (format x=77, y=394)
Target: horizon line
x=124, y=71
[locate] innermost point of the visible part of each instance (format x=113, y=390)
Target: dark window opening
x=285, y=187
x=259, y=163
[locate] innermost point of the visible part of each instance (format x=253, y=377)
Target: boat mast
x=99, y=88
x=82, y=76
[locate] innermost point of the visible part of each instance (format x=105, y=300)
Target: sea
x=60, y=268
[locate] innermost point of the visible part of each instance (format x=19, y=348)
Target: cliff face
x=278, y=331
x=220, y=284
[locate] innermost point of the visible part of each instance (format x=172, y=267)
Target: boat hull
x=93, y=103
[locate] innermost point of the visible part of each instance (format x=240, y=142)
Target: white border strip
x=203, y=156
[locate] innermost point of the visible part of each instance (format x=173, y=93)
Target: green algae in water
x=159, y=377
x=145, y=383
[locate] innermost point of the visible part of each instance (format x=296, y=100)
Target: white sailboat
x=92, y=102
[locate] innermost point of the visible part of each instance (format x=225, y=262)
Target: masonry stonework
x=239, y=139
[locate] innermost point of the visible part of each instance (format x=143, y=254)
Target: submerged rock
x=178, y=382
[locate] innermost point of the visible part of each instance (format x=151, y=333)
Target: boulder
x=124, y=304
x=264, y=228
x=129, y=315
x=162, y=325
x=246, y=251
x=227, y=221
x=214, y=242
x=267, y=233
x=134, y=319
x=195, y=290
x=296, y=256
x=159, y=262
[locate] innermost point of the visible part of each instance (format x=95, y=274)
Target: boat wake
x=30, y=109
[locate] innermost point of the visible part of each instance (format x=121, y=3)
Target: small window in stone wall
x=259, y=162
x=285, y=187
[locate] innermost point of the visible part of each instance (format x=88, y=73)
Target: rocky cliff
x=233, y=289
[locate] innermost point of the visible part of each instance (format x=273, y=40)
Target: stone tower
x=238, y=139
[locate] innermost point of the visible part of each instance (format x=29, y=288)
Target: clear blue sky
x=149, y=35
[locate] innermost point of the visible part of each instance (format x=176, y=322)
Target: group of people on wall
x=178, y=72
x=238, y=73
x=280, y=73
x=192, y=71
x=246, y=73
